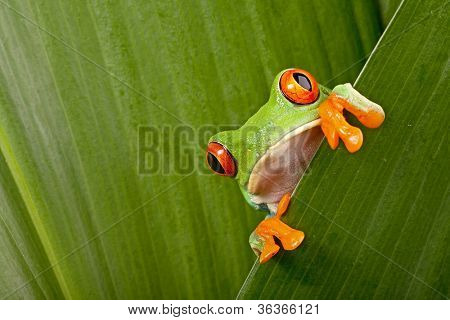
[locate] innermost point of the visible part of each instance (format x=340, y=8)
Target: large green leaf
x=387, y=8
x=77, y=80
x=377, y=222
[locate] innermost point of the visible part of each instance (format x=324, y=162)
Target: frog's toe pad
x=292, y=240
x=352, y=137
x=269, y=250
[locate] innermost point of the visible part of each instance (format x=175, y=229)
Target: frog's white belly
x=280, y=169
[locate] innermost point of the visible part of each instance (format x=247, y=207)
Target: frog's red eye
x=220, y=160
x=299, y=86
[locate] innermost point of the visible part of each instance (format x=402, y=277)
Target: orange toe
x=334, y=126
x=352, y=137
x=292, y=240
x=270, y=249
x=331, y=134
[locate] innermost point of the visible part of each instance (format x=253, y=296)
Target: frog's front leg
x=262, y=239
x=334, y=125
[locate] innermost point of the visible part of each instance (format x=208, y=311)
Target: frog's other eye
x=299, y=86
x=220, y=160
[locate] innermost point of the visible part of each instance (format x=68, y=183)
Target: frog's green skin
x=265, y=128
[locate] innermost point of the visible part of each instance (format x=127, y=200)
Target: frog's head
x=270, y=152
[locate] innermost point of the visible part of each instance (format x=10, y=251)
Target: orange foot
x=274, y=227
x=334, y=125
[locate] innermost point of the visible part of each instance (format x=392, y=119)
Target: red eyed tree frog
x=269, y=154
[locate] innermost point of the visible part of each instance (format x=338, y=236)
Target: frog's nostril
x=220, y=160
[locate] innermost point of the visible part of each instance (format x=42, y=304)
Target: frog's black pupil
x=302, y=80
x=215, y=164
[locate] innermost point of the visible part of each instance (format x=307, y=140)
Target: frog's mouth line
x=283, y=165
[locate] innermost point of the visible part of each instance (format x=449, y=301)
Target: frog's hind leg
x=273, y=227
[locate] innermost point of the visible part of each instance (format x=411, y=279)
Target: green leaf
x=77, y=81
x=377, y=222
x=387, y=10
